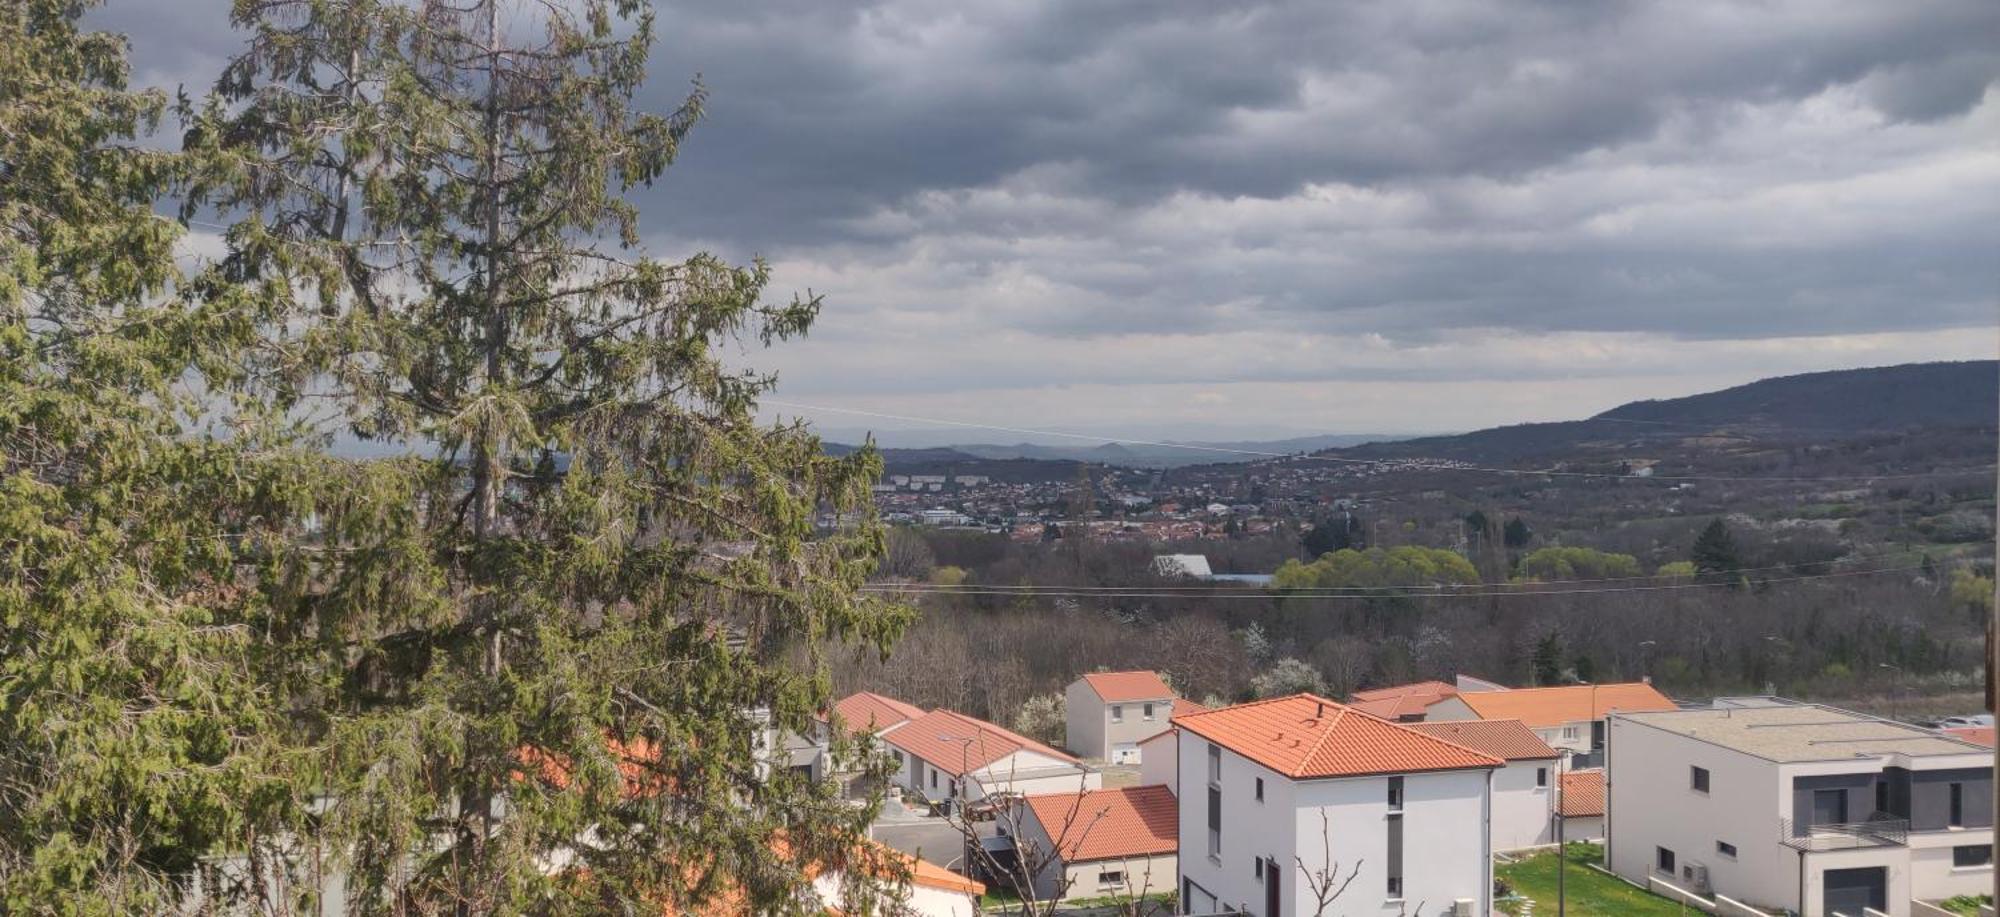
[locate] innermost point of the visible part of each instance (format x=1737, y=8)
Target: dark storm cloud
x=1103, y=169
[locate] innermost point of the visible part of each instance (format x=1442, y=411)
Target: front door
x=1848, y=891
x=1271, y=897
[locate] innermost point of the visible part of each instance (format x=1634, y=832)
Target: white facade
x=1730, y=831
x=1445, y=855
x=1572, y=736
x=1159, y=760
x=1523, y=803
x=1022, y=772
x=1106, y=731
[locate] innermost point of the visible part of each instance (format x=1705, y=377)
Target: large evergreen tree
x=1716, y=558
x=136, y=731
x=549, y=679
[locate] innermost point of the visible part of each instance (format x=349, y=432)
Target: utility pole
x=1562, y=835
x=1993, y=671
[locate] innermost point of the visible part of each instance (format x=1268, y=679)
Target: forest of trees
x=1740, y=612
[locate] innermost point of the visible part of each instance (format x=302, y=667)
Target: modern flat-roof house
x=1102, y=842
x=947, y=755
x=1800, y=807
x=1567, y=717
x=1523, y=791
x=1106, y=714
x=1275, y=794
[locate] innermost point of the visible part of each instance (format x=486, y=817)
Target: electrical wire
x=1371, y=590
x=1395, y=592
x=1384, y=464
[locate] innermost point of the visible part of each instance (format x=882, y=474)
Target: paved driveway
x=930, y=839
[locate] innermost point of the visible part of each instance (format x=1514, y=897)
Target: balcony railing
x=1880, y=830
x=1586, y=760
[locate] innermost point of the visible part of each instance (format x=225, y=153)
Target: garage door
x=1848, y=891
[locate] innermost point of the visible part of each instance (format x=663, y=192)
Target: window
x=1698, y=779
x=1829, y=807
x=1395, y=869
x=1149, y=713
x=1395, y=794
x=899, y=758
x=1957, y=817
x=933, y=779
x=1972, y=855
x=1726, y=848
x=1214, y=764
x=1260, y=789
x=1881, y=795
x=1111, y=877
x=1215, y=823
x=1118, y=713
x=1258, y=867
x=1569, y=733
x=1663, y=860
x=1541, y=776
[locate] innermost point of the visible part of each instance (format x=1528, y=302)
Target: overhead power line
x=1385, y=464
x=1438, y=592
x=1213, y=587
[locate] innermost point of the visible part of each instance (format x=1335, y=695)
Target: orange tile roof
x=958, y=744
x=1437, y=688
x=1544, y=707
x=1124, y=687
x=1982, y=735
x=871, y=857
x=1508, y=739
x=1108, y=824
x=1582, y=793
x=874, y=712
x=1303, y=736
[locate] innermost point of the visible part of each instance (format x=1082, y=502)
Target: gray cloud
x=956, y=176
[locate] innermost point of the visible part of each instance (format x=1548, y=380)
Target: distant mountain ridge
x=1131, y=455
x=1838, y=404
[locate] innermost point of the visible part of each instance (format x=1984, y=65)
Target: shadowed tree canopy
x=597, y=556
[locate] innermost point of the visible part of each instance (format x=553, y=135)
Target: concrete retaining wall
x=1730, y=907
x=1682, y=895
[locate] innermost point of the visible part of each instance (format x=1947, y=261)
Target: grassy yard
x=1590, y=893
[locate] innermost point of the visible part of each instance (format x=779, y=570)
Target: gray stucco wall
x=1930, y=798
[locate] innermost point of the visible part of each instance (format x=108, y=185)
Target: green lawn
x=1590, y=893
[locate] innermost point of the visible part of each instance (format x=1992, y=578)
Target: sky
x=1143, y=218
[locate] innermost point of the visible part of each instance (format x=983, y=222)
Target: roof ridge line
x=1298, y=770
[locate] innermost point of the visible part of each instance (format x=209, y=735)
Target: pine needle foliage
x=541, y=664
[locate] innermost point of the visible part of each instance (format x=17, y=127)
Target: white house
x=1568, y=717
x=1102, y=842
x=1524, y=790
x=1800, y=807
x=947, y=755
x=1263, y=783
x=863, y=713
x=1105, y=714
x=1582, y=805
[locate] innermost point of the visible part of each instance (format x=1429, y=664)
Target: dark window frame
x=1697, y=778
x=1664, y=860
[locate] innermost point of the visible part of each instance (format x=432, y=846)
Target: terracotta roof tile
x=958, y=744
x=1508, y=739
x=1437, y=688
x=1125, y=687
x=1107, y=824
x=1582, y=794
x=874, y=712
x=1980, y=735
x=1541, y=708
x=1303, y=736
